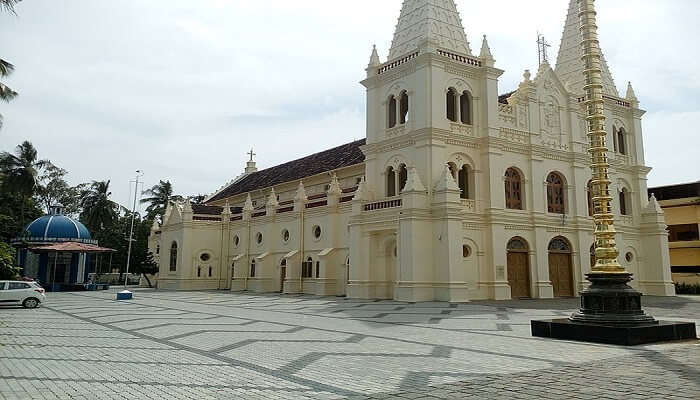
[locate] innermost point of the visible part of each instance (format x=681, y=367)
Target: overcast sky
x=183, y=89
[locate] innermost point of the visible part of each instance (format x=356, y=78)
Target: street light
x=139, y=174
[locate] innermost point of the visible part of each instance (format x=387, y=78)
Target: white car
x=28, y=294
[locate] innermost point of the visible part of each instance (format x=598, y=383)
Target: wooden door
x=560, y=274
x=518, y=274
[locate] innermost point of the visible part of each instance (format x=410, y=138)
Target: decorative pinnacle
x=485, y=50
x=374, y=58
x=248, y=206
x=631, y=96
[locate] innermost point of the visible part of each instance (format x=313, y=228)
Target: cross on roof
x=251, y=154
x=542, y=46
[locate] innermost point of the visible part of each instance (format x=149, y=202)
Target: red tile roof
x=329, y=160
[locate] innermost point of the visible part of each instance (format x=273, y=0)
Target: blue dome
x=53, y=227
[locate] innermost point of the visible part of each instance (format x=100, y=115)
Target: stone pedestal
x=611, y=312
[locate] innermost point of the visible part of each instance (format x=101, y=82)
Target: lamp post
x=611, y=310
x=139, y=174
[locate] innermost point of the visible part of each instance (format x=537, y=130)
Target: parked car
x=28, y=294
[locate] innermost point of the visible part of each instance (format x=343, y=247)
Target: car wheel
x=30, y=303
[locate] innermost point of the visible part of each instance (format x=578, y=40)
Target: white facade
x=430, y=218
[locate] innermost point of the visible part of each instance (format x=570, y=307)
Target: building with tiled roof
x=455, y=194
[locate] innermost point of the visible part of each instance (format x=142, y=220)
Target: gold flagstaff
x=606, y=249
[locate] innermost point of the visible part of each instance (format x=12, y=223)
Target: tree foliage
x=6, y=94
x=99, y=211
x=8, y=268
x=160, y=196
x=53, y=189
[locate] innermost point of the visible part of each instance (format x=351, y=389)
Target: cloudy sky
x=183, y=89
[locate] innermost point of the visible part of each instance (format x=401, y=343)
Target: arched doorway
x=560, y=271
x=518, y=268
x=283, y=273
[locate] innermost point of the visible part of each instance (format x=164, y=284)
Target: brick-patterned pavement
x=201, y=345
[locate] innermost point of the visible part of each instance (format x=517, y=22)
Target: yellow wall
x=681, y=212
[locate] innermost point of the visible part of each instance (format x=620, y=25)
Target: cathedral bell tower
x=429, y=100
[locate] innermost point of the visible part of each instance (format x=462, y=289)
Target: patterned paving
x=203, y=345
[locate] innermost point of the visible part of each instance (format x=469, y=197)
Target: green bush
x=684, y=288
x=8, y=269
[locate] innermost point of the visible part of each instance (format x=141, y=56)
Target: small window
x=390, y=182
x=683, y=233
x=403, y=177
x=466, y=251
x=210, y=272
x=463, y=182
x=173, y=257
x=18, y=285
x=317, y=232
x=318, y=269
x=199, y=272
x=514, y=196
x=624, y=202
x=391, y=112
x=236, y=241
x=157, y=249
x=259, y=238
x=465, y=107
x=252, y=268
x=629, y=257
x=285, y=235
x=555, y=194
x=403, y=104
x=621, y=145
x=451, y=100
x=307, y=268
x=205, y=257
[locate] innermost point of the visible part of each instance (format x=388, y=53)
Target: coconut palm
x=6, y=94
x=160, y=196
x=20, y=172
x=98, y=210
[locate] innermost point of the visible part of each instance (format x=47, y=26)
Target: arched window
x=199, y=272
x=391, y=112
x=252, y=268
x=621, y=145
x=403, y=176
x=451, y=99
x=517, y=244
x=514, y=195
x=463, y=182
x=559, y=244
x=390, y=182
x=614, y=138
x=403, y=105
x=173, y=257
x=465, y=107
x=555, y=194
x=210, y=272
x=624, y=202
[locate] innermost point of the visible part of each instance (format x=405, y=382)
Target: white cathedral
x=456, y=194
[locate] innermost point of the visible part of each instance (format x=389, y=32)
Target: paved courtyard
x=201, y=345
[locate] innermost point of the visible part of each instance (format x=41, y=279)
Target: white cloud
x=183, y=89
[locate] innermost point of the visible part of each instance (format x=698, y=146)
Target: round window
x=285, y=235
x=629, y=257
x=259, y=238
x=236, y=241
x=205, y=257
x=466, y=251
x=317, y=231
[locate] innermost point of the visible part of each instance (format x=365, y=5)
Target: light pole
x=139, y=174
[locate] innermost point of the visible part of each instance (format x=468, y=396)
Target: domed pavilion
x=63, y=270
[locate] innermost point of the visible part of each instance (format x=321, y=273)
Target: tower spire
x=431, y=23
x=570, y=68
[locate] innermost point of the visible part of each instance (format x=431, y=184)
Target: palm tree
x=20, y=172
x=160, y=196
x=98, y=210
x=6, y=94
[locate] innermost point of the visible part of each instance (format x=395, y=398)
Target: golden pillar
x=605, y=247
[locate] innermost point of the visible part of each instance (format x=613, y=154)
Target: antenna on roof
x=542, y=46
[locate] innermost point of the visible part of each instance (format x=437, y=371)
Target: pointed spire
x=227, y=209
x=485, y=54
x=435, y=23
x=248, y=206
x=653, y=207
x=374, y=58
x=301, y=194
x=631, y=95
x=334, y=188
x=272, y=200
x=361, y=193
x=446, y=181
x=413, y=182
x=569, y=66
